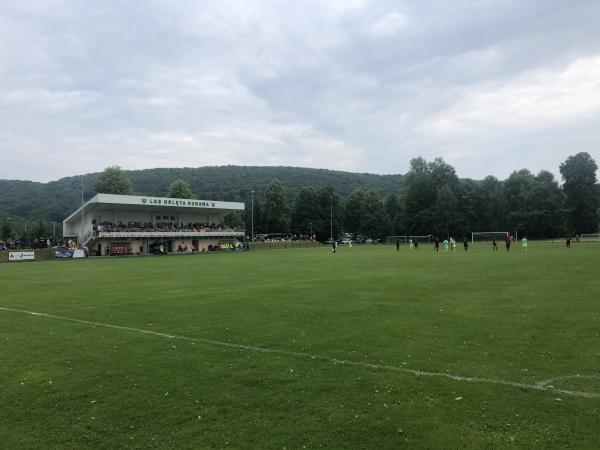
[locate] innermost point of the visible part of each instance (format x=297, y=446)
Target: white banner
x=78, y=254
x=21, y=256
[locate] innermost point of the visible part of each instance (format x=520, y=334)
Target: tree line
x=429, y=199
x=434, y=200
x=27, y=204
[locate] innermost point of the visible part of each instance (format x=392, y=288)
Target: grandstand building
x=127, y=224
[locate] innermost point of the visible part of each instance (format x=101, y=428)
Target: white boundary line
x=544, y=385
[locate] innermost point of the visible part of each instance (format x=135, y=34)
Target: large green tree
x=276, y=209
x=114, y=181
x=374, y=220
x=6, y=229
x=547, y=218
x=233, y=220
x=355, y=211
x=581, y=191
x=180, y=189
x=423, y=181
x=446, y=210
x=306, y=212
x=517, y=190
x=40, y=230
x=492, y=206
x=394, y=210
x=419, y=197
x=469, y=212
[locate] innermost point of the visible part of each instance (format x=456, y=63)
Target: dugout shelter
x=128, y=224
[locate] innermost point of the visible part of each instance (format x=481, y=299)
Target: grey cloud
x=353, y=85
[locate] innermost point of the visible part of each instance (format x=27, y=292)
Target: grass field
x=303, y=348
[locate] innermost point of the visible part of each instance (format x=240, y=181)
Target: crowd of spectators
x=36, y=243
x=237, y=246
x=153, y=227
x=281, y=237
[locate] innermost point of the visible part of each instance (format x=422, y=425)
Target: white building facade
x=127, y=224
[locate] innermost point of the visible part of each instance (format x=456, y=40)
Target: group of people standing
x=449, y=244
x=508, y=242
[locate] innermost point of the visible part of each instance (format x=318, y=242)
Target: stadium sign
x=177, y=202
x=21, y=256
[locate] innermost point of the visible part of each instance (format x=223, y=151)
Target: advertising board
x=21, y=256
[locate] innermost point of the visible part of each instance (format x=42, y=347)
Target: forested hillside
x=429, y=199
x=29, y=201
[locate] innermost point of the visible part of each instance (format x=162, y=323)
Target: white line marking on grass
x=543, y=385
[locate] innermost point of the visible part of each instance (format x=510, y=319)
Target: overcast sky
x=490, y=86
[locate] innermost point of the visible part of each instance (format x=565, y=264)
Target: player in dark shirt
x=466, y=244
x=494, y=244
x=507, y=243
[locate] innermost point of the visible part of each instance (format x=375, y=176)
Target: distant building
x=127, y=224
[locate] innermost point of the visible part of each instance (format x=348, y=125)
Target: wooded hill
x=429, y=199
x=53, y=201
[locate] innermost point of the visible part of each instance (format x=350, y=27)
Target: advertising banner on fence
x=21, y=256
x=63, y=253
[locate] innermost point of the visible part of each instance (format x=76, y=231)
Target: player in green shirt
x=445, y=245
x=524, y=242
x=410, y=244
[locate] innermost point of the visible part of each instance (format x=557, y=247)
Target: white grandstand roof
x=147, y=203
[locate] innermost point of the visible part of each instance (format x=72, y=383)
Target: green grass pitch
x=367, y=348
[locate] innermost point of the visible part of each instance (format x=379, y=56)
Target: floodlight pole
x=53, y=228
x=81, y=240
x=252, y=215
x=310, y=237
x=331, y=217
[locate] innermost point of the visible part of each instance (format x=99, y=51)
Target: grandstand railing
x=169, y=234
x=86, y=238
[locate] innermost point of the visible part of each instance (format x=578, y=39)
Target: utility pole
x=252, y=214
x=81, y=239
x=310, y=237
x=8, y=236
x=53, y=229
x=331, y=217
